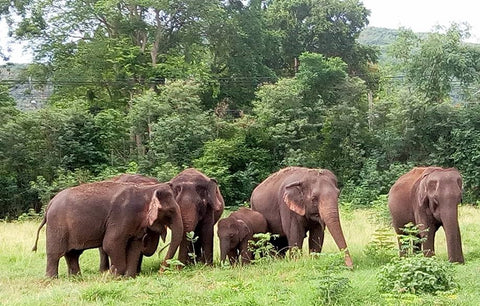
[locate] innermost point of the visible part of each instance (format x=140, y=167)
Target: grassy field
x=303, y=280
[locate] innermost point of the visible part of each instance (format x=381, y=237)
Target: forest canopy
x=237, y=89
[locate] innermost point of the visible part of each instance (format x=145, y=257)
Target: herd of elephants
x=126, y=216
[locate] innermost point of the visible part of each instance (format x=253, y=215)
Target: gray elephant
x=429, y=197
x=236, y=230
x=295, y=200
x=114, y=216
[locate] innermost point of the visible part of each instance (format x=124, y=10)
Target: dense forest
x=237, y=89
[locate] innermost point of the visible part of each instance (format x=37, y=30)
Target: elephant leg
x=116, y=249
x=295, y=235
x=206, y=238
x=139, y=265
x=104, y=261
x=232, y=256
x=52, y=264
x=134, y=252
x=183, y=251
x=71, y=258
x=428, y=246
x=315, y=239
x=199, y=252
x=281, y=244
x=245, y=254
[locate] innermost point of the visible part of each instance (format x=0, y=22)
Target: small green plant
x=172, y=265
x=382, y=247
x=294, y=253
x=380, y=212
x=261, y=247
x=331, y=285
x=410, y=240
x=192, y=239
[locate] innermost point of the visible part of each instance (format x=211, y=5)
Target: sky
x=417, y=15
x=424, y=15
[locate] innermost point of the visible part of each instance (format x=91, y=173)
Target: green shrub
x=416, y=274
x=262, y=249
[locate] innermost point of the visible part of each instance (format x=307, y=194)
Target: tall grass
x=286, y=281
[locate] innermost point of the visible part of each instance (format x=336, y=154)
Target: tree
x=328, y=27
x=433, y=65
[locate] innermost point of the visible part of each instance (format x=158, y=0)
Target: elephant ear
x=293, y=198
x=243, y=229
x=426, y=191
x=161, y=207
x=422, y=194
x=153, y=210
x=218, y=202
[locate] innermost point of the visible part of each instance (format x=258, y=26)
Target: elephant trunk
x=453, y=238
x=176, y=227
x=224, y=245
x=329, y=213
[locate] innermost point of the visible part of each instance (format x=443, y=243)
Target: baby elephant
x=235, y=231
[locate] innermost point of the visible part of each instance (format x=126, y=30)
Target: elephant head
x=439, y=191
x=230, y=233
x=163, y=210
x=315, y=196
x=197, y=197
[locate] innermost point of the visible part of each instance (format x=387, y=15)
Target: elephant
x=295, y=200
x=117, y=217
x=236, y=230
x=151, y=239
x=201, y=205
x=429, y=197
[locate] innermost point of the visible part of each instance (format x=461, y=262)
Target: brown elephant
x=429, y=197
x=295, y=200
x=114, y=216
x=236, y=230
x=151, y=239
x=201, y=205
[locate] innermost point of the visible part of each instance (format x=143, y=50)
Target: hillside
x=27, y=95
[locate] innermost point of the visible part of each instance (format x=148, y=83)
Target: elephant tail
x=34, y=249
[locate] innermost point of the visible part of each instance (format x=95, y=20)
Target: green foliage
x=192, y=239
x=380, y=212
x=411, y=239
x=417, y=274
x=262, y=248
x=382, y=248
x=331, y=285
x=413, y=272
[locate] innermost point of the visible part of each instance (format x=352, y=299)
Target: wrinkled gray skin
x=429, y=197
x=151, y=239
x=235, y=231
x=114, y=216
x=295, y=200
x=201, y=205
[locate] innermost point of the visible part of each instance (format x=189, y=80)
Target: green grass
x=279, y=282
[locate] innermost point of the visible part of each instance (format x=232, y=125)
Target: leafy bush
x=416, y=274
x=261, y=247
